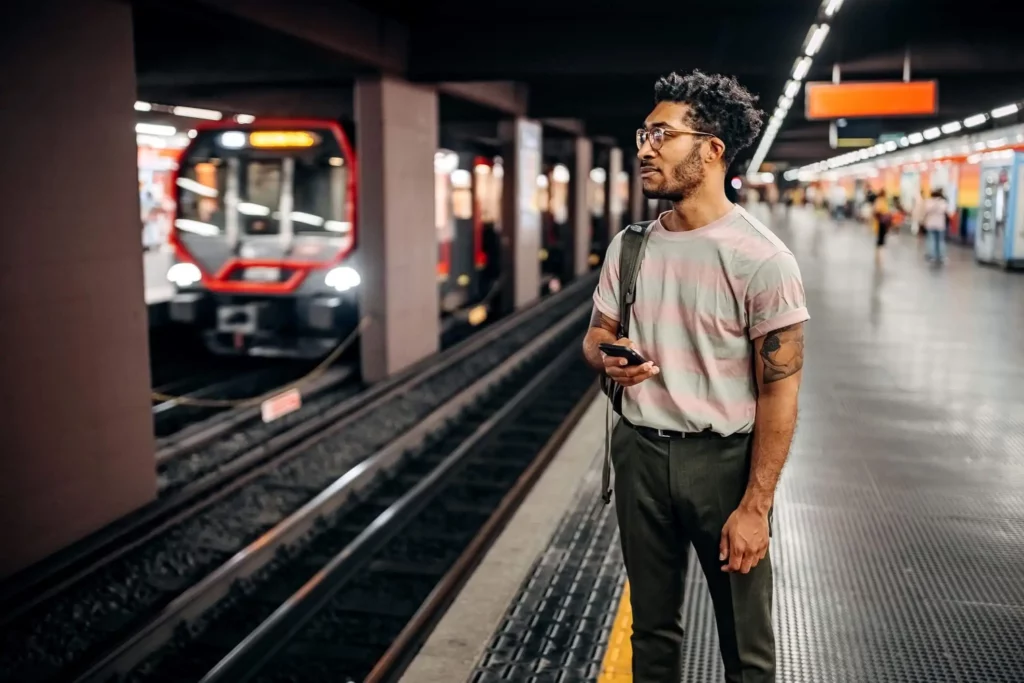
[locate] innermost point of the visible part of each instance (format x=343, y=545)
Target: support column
x=613, y=196
x=636, y=194
x=397, y=137
x=520, y=224
x=581, y=220
x=76, y=422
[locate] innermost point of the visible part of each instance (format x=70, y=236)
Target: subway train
x=266, y=237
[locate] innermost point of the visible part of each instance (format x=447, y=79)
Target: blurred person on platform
x=882, y=214
x=707, y=419
x=934, y=219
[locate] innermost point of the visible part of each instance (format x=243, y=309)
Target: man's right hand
x=628, y=375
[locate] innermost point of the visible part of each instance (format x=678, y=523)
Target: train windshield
x=236, y=184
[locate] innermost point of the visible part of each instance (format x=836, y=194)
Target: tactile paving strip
x=557, y=626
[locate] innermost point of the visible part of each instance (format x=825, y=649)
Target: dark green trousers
x=670, y=494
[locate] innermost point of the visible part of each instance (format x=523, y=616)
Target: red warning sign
x=280, y=405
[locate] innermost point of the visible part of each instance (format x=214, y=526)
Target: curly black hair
x=718, y=105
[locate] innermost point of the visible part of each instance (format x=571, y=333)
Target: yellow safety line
x=617, y=666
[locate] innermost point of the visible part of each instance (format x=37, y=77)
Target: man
x=708, y=419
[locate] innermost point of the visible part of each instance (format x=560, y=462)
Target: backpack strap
x=631, y=254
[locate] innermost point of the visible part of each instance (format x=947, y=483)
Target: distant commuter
x=934, y=217
x=707, y=420
x=882, y=213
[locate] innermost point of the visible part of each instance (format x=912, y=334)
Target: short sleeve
x=606, y=296
x=775, y=296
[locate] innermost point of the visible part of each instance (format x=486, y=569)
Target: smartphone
x=619, y=351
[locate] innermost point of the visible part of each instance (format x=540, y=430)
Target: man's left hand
x=744, y=540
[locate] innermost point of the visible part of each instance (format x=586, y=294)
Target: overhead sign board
x=870, y=99
x=854, y=133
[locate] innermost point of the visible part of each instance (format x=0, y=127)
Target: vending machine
x=999, y=238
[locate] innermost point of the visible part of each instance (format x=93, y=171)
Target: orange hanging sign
x=889, y=98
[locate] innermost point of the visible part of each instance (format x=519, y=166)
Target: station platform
x=899, y=520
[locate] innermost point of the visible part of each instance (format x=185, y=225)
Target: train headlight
x=184, y=274
x=342, y=278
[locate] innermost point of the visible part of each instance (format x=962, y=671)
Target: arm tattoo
x=598, y=319
x=783, y=353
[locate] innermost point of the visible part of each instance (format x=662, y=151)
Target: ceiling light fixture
x=801, y=67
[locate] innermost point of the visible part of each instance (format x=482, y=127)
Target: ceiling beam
x=343, y=27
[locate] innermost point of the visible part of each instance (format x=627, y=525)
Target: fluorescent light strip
x=986, y=149
x=155, y=129
x=817, y=38
x=1000, y=112
x=196, y=113
x=801, y=67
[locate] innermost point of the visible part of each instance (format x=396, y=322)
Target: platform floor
x=899, y=546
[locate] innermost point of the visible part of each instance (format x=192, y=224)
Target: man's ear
x=716, y=150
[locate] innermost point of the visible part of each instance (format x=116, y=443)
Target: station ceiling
x=595, y=62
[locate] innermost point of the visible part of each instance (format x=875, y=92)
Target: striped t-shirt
x=701, y=297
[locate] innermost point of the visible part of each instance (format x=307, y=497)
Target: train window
x=462, y=194
x=201, y=197
x=488, y=191
x=559, y=194
x=596, y=191
x=320, y=197
x=260, y=197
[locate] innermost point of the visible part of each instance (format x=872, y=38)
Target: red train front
x=265, y=237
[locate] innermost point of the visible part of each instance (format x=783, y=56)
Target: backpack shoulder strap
x=634, y=242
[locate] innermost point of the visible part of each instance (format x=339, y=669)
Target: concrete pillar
x=396, y=139
x=76, y=425
x=613, y=199
x=521, y=221
x=581, y=220
x=636, y=194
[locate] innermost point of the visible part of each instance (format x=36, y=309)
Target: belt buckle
x=664, y=434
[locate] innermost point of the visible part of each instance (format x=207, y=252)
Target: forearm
x=598, y=333
x=774, y=424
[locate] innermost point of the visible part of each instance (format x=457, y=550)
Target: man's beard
x=685, y=179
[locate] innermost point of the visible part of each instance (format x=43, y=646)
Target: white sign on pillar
x=528, y=140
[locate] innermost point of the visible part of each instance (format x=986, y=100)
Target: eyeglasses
x=657, y=136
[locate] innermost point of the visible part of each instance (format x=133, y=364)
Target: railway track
x=357, y=596
x=61, y=621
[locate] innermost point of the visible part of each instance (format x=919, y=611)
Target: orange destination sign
x=883, y=98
